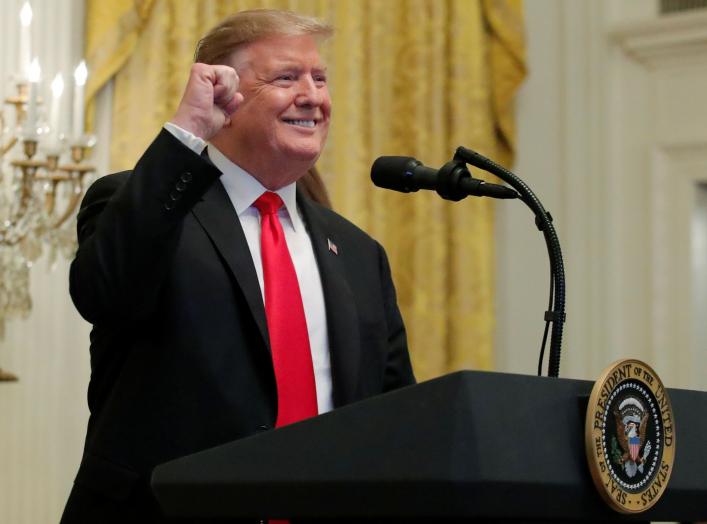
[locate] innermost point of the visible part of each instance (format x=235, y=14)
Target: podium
x=466, y=446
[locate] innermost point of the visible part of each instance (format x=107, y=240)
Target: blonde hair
x=248, y=26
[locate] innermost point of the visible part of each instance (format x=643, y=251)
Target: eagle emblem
x=631, y=420
x=630, y=436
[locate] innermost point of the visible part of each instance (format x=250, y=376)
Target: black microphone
x=452, y=181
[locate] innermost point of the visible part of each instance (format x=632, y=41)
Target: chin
x=304, y=154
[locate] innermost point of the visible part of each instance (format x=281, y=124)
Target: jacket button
x=263, y=427
x=186, y=177
x=180, y=186
x=169, y=206
x=174, y=196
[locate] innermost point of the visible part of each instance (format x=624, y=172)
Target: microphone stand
x=543, y=220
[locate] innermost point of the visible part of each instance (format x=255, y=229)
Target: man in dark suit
x=215, y=316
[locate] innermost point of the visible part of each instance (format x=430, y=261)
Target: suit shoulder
x=96, y=198
x=104, y=187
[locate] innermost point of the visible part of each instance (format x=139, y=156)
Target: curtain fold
x=407, y=77
x=112, y=31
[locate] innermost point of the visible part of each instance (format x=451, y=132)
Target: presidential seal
x=630, y=436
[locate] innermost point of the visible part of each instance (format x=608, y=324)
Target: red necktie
x=287, y=325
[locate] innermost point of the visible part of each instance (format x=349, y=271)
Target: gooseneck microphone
x=452, y=181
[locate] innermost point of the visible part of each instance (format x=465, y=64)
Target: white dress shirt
x=244, y=190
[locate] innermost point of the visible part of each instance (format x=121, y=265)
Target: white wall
x=612, y=139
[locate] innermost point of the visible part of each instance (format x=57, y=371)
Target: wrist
x=187, y=138
x=190, y=125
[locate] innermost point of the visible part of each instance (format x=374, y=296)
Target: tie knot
x=268, y=203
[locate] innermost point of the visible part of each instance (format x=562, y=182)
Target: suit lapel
x=216, y=215
x=341, y=314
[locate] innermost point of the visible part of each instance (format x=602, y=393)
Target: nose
x=310, y=94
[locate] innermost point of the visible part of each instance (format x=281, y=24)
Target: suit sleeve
x=398, y=369
x=128, y=229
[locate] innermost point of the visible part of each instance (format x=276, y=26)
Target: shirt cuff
x=187, y=138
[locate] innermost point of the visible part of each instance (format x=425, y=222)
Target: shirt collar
x=243, y=189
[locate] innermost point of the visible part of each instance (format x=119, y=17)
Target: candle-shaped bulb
x=57, y=90
x=26, y=15
x=57, y=85
x=34, y=71
x=30, y=128
x=80, y=74
x=25, y=41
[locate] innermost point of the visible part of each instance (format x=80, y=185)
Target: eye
x=320, y=79
x=284, y=79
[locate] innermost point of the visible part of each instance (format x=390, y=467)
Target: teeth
x=303, y=123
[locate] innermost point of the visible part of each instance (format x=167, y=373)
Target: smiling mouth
x=301, y=123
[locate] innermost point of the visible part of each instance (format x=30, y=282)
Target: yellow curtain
x=408, y=77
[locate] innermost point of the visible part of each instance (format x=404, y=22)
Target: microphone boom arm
x=543, y=220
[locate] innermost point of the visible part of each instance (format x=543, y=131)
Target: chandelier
x=42, y=177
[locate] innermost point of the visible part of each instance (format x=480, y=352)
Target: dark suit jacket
x=179, y=349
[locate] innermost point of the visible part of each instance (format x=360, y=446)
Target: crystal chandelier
x=42, y=178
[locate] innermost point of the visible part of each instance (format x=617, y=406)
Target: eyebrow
x=286, y=64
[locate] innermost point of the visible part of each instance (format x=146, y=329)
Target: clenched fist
x=209, y=100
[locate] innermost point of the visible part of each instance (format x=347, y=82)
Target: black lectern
x=469, y=445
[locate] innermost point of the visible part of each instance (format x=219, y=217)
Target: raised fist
x=209, y=100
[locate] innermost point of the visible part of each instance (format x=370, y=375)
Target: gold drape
x=408, y=77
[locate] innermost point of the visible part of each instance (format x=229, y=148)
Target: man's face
x=283, y=121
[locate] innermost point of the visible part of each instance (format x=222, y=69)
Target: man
x=223, y=302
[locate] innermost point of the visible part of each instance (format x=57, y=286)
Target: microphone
x=452, y=181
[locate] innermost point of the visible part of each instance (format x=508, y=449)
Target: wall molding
x=660, y=40
x=676, y=169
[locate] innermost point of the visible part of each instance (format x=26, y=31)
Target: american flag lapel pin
x=332, y=246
